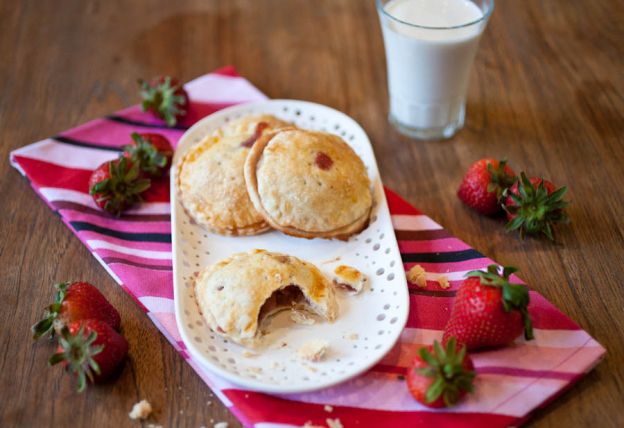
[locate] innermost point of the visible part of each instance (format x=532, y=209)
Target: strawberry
x=489, y=311
x=90, y=350
x=115, y=185
x=440, y=377
x=152, y=152
x=74, y=302
x=534, y=205
x=483, y=185
x=166, y=98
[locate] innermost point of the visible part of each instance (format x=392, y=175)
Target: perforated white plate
x=368, y=324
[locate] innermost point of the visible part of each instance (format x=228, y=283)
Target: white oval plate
x=368, y=324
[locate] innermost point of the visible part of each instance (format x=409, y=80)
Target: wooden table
x=546, y=92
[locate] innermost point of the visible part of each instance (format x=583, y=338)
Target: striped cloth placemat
x=136, y=250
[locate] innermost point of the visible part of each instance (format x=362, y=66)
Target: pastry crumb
x=443, y=282
x=248, y=354
x=309, y=424
x=313, y=350
x=221, y=425
x=334, y=423
x=417, y=275
x=140, y=410
x=328, y=408
x=301, y=317
x=352, y=336
x=310, y=368
x=254, y=369
x=349, y=278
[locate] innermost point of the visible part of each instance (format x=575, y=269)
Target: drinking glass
x=429, y=62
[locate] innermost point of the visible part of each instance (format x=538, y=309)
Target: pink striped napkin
x=136, y=250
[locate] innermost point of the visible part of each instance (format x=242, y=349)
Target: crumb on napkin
x=140, y=410
x=328, y=408
x=443, y=282
x=349, y=278
x=334, y=423
x=417, y=275
x=313, y=350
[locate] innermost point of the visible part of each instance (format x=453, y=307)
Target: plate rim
x=242, y=381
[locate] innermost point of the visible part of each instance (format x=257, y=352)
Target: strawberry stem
x=445, y=365
x=77, y=351
x=46, y=325
x=514, y=296
x=534, y=210
x=500, y=180
x=145, y=155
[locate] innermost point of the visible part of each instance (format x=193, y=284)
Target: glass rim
x=483, y=18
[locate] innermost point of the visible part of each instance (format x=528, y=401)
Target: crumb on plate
x=328, y=408
x=313, y=350
x=349, y=278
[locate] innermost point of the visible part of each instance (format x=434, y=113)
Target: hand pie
x=211, y=182
x=238, y=293
x=308, y=184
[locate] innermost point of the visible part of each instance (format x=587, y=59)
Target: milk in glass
x=430, y=47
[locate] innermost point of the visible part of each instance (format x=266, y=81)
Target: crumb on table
x=140, y=410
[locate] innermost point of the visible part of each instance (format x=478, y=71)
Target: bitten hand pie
x=308, y=184
x=211, y=182
x=238, y=293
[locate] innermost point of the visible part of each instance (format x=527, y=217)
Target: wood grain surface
x=546, y=92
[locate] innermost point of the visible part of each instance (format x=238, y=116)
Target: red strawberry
x=90, y=350
x=534, y=205
x=152, y=152
x=115, y=185
x=74, y=302
x=440, y=377
x=483, y=185
x=165, y=97
x=488, y=311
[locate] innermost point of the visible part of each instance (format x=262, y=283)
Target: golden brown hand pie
x=238, y=293
x=211, y=182
x=308, y=184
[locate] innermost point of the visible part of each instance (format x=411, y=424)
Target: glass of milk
x=430, y=48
